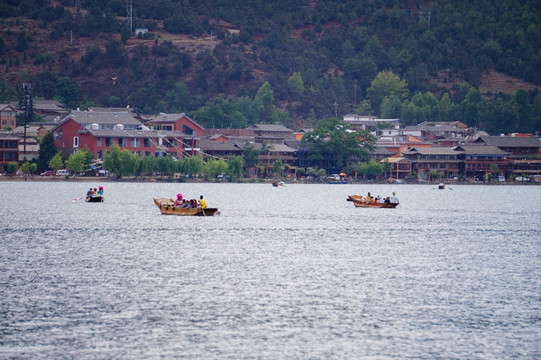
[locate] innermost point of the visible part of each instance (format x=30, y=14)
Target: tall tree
x=47, y=150
x=385, y=84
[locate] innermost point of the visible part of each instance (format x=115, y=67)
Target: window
x=75, y=141
x=146, y=143
x=58, y=134
x=135, y=142
x=107, y=141
x=121, y=142
x=99, y=141
x=186, y=130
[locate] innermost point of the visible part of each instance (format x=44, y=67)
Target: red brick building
x=98, y=131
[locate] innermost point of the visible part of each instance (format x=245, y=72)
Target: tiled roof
x=110, y=118
x=167, y=118
x=510, y=141
x=432, y=151
x=272, y=127
x=480, y=150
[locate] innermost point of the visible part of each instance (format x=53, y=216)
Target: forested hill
x=234, y=63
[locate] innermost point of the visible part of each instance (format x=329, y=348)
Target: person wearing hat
x=100, y=190
x=178, y=201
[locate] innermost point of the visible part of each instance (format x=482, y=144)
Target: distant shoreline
x=243, y=181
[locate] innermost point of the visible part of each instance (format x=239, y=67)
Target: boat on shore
x=94, y=198
x=359, y=201
x=167, y=207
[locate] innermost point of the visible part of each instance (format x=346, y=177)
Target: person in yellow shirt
x=202, y=202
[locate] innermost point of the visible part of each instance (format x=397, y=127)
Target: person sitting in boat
x=185, y=204
x=394, y=199
x=100, y=190
x=89, y=193
x=94, y=192
x=368, y=198
x=178, y=201
x=202, y=202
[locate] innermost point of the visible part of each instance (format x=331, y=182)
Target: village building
x=9, y=149
x=427, y=160
x=370, y=123
x=478, y=161
x=400, y=166
x=271, y=133
x=8, y=116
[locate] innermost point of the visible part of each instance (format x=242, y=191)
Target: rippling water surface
x=288, y=272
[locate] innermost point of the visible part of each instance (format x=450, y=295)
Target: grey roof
x=271, y=127
x=207, y=145
x=379, y=150
x=273, y=147
x=433, y=151
x=105, y=117
x=167, y=118
x=510, y=141
x=480, y=150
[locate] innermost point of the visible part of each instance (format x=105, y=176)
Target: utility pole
x=27, y=89
x=335, y=109
x=129, y=14
x=355, y=92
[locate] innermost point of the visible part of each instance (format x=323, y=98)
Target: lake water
x=291, y=272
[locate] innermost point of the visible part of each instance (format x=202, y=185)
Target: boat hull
x=95, y=198
x=359, y=202
x=167, y=207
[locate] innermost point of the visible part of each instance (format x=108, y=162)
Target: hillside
x=211, y=54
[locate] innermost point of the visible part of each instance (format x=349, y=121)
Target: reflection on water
x=287, y=272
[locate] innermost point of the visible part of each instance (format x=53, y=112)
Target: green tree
x=251, y=155
x=333, y=145
x=68, y=92
x=47, y=150
x=121, y=162
x=76, y=162
x=194, y=165
x=25, y=167
x=235, y=167
x=264, y=102
x=295, y=84
x=12, y=168
x=125, y=33
x=277, y=167
x=22, y=43
x=385, y=84
x=214, y=167
x=57, y=162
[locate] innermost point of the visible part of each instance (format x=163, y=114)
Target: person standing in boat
x=202, y=202
x=394, y=199
x=100, y=190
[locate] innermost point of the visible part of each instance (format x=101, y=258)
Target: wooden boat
x=167, y=207
x=441, y=186
x=358, y=201
x=278, y=183
x=95, y=198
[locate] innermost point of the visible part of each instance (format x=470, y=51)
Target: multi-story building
x=441, y=160
x=9, y=148
x=8, y=116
